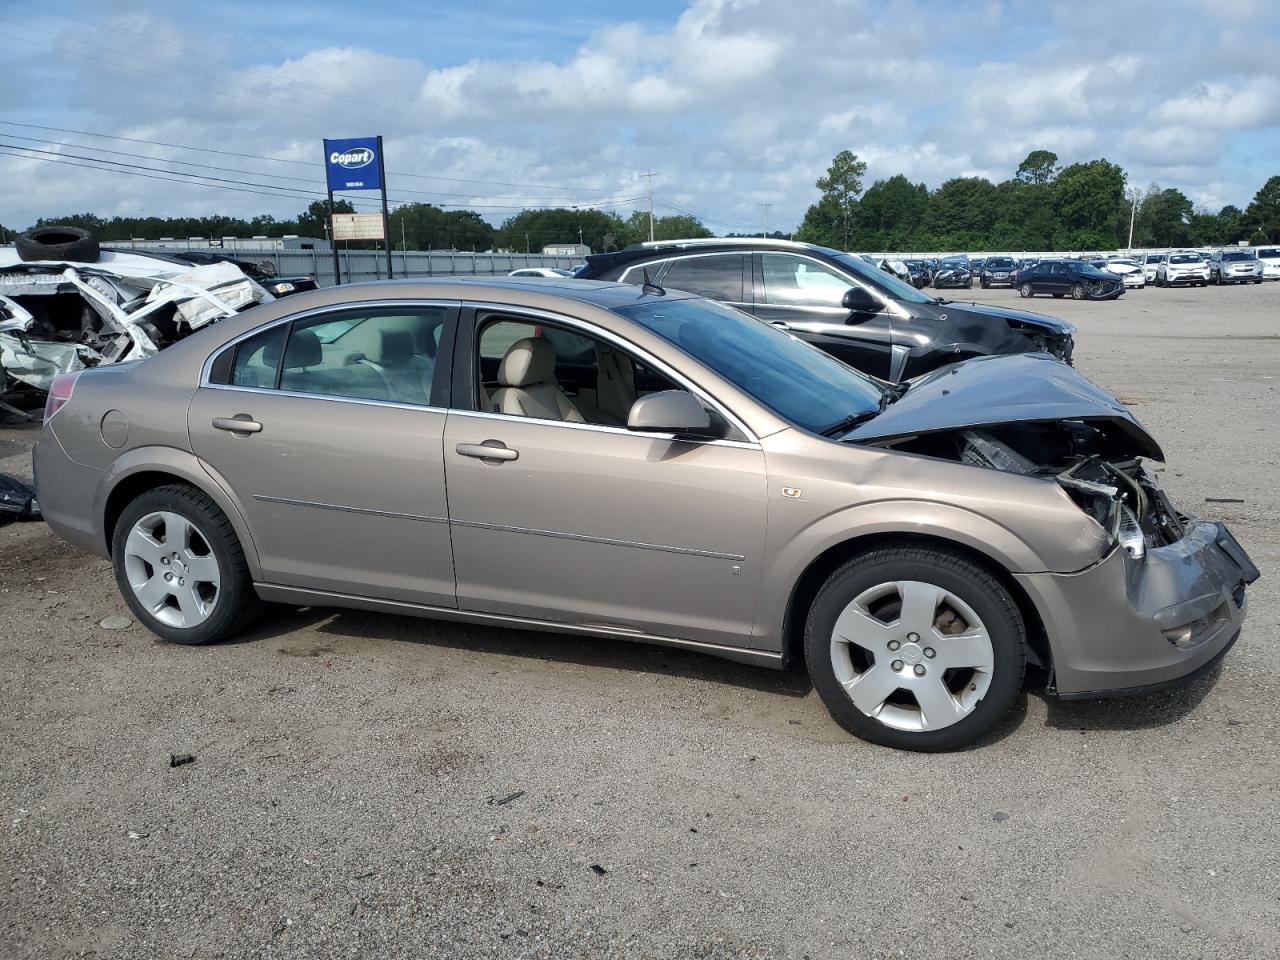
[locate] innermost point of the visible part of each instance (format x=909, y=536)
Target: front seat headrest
x=527, y=362
x=303, y=350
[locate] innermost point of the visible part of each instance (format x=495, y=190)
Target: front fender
x=186, y=467
x=876, y=519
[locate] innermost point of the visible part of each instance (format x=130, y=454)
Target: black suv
x=866, y=317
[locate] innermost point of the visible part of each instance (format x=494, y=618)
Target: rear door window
x=716, y=277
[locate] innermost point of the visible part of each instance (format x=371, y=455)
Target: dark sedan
x=920, y=273
x=1073, y=278
x=998, y=272
x=838, y=302
x=954, y=273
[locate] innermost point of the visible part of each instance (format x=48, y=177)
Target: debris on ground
x=17, y=501
x=1223, y=500
x=181, y=759
x=999, y=816
x=598, y=870
x=507, y=799
x=115, y=622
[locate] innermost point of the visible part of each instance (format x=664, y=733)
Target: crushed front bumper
x=1130, y=625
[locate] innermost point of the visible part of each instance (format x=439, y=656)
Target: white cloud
x=736, y=102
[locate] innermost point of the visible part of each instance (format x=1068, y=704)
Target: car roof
x=658, y=248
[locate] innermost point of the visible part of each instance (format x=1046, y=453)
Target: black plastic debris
x=598, y=870
x=179, y=759
x=17, y=501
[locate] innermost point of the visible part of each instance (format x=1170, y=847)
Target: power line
x=271, y=176
x=243, y=187
x=300, y=163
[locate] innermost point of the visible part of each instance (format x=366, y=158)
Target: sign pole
x=333, y=242
x=386, y=223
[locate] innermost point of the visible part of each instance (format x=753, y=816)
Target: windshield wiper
x=851, y=421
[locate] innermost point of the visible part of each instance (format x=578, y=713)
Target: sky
x=734, y=104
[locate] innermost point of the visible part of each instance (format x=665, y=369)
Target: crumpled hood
x=980, y=310
x=989, y=391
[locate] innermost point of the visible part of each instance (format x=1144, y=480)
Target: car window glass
x=595, y=379
x=795, y=281
x=802, y=384
x=258, y=358
x=714, y=277
x=381, y=354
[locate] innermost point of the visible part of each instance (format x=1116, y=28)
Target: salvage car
x=58, y=316
x=423, y=448
x=953, y=272
x=866, y=317
x=1189, y=268
x=919, y=272
x=997, y=272
x=1128, y=270
x=1234, y=266
x=1060, y=278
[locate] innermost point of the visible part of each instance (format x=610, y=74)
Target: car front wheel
x=1025, y=290
x=916, y=648
x=1077, y=291
x=180, y=567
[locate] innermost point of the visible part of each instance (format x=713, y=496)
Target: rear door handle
x=240, y=423
x=488, y=450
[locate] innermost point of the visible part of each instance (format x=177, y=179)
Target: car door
x=329, y=429
x=592, y=525
x=805, y=295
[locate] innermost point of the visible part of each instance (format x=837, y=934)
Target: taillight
x=60, y=392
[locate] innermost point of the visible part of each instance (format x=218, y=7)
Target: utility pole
x=1133, y=212
x=649, y=176
x=765, y=233
x=403, y=244
x=526, y=244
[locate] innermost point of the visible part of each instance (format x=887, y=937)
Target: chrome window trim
x=685, y=256
x=605, y=428
x=592, y=330
x=306, y=315
x=364, y=401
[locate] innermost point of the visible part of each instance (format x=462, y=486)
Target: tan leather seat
x=527, y=384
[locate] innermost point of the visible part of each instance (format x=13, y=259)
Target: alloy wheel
x=912, y=655
x=172, y=569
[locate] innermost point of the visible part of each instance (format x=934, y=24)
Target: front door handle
x=240, y=423
x=488, y=450
x=780, y=324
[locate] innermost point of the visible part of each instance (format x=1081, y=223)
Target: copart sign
x=353, y=164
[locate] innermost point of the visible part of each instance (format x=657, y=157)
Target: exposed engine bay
x=1093, y=462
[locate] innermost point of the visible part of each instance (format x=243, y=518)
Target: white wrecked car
x=58, y=316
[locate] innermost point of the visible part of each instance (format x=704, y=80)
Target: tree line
x=1043, y=206
x=412, y=226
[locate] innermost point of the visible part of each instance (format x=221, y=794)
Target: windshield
x=999, y=263
x=1237, y=256
x=955, y=263
x=1185, y=258
x=883, y=281
x=1155, y=258
x=798, y=382
x=1123, y=263
x=1270, y=254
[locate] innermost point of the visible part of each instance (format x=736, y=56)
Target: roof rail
x=717, y=241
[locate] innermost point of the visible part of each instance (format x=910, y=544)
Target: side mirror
x=858, y=300
x=669, y=411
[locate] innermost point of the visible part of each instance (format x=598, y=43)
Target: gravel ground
x=377, y=787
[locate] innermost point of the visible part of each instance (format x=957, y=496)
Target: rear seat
x=306, y=372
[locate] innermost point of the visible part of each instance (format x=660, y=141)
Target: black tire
x=1026, y=290
x=1077, y=291
x=70, y=244
x=971, y=583
x=237, y=603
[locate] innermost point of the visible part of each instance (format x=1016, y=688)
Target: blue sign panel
x=353, y=164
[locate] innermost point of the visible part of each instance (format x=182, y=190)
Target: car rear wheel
x=180, y=567
x=1026, y=290
x=916, y=648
